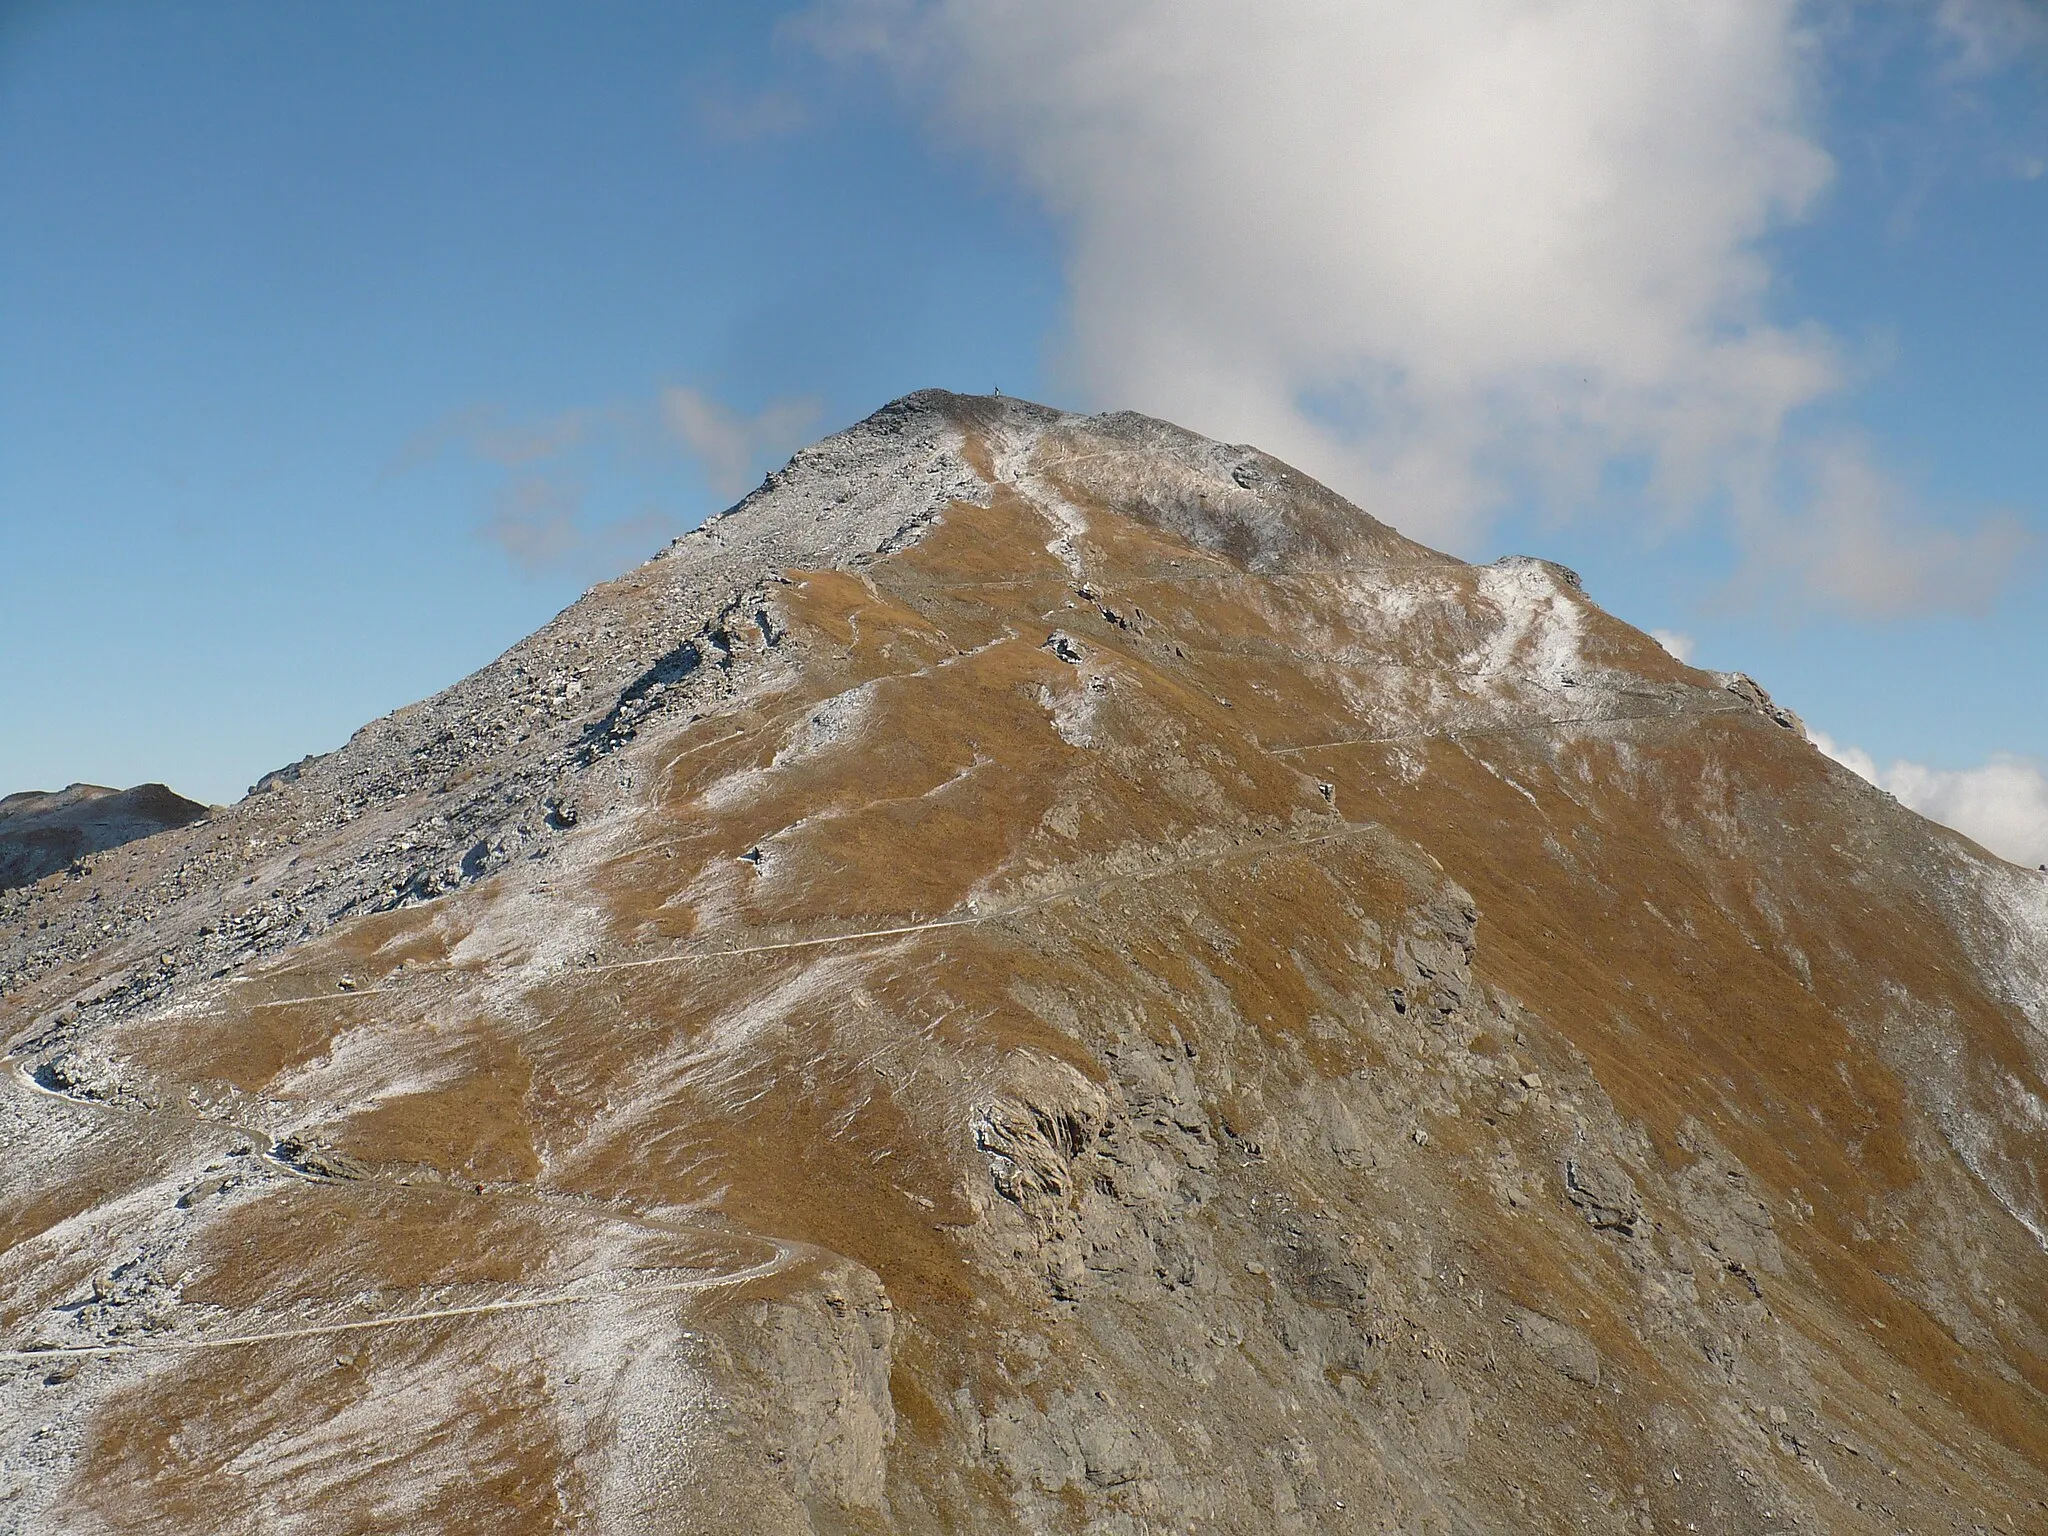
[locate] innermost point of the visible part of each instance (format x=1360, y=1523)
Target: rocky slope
x=1040, y=974
x=43, y=831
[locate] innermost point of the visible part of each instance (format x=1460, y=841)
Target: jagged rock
x=321, y=1162
x=1747, y=689
x=1601, y=1188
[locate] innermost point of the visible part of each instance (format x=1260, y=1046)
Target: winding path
x=781, y=1254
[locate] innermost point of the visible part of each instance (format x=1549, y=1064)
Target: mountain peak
x=1041, y=973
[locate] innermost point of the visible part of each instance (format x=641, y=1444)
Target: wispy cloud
x=1857, y=543
x=731, y=448
x=1446, y=255
x=540, y=526
x=538, y=511
x=1987, y=35
x=534, y=522
x=2002, y=804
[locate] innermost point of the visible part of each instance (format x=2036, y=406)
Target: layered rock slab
x=1043, y=973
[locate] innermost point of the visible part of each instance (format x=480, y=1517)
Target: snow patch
x=828, y=723
x=1013, y=452
x=1542, y=623
x=1073, y=712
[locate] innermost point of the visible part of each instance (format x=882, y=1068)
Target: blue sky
x=341, y=346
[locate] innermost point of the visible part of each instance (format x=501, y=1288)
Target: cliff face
x=1042, y=974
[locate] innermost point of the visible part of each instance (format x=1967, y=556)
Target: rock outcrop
x=1040, y=974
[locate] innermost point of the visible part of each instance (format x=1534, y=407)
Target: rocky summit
x=1040, y=974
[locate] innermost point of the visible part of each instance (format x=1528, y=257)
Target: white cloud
x=729, y=447
x=1436, y=254
x=1680, y=646
x=2003, y=804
